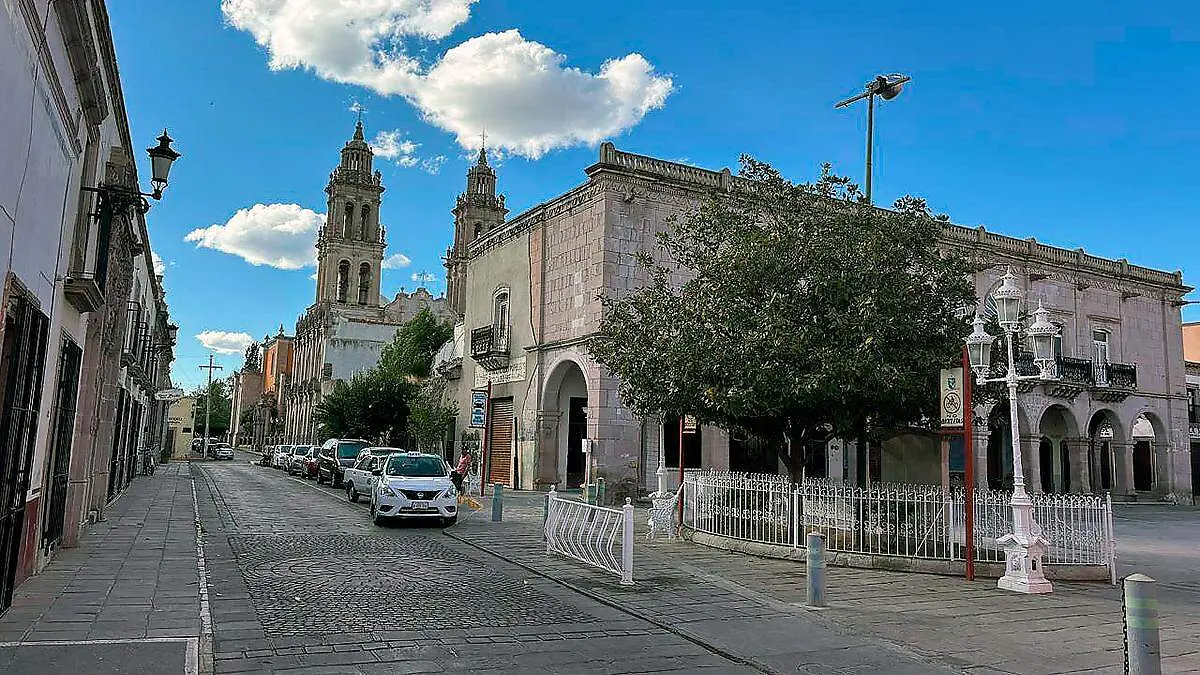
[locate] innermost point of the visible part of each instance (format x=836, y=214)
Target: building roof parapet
x=610, y=157
x=1076, y=259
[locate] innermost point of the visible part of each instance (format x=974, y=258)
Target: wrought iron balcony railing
x=489, y=347
x=1074, y=371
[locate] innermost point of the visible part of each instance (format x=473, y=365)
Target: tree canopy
x=388, y=403
x=417, y=342
x=803, y=312
x=219, y=416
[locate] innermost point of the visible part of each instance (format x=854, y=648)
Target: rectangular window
x=1193, y=406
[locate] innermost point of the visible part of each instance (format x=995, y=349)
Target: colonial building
x=181, y=422
x=344, y=331
x=85, y=335
x=527, y=290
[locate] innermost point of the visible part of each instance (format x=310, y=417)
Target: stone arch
x=998, y=441
x=1105, y=441
x=343, y=280
x=347, y=220
x=364, y=283
x=364, y=228
x=564, y=410
x=1059, y=467
x=1149, y=438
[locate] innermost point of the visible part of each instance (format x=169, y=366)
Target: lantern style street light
x=1025, y=547
x=886, y=87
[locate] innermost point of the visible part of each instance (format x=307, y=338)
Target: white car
x=282, y=456
x=414, y=485
x=359, y=479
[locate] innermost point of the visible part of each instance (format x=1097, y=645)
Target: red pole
x=969, y=505
x=484, y=472
x=681, y=469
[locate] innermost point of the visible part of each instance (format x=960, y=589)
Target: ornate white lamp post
x=1024, y=548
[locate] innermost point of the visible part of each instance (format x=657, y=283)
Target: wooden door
x=500, y=439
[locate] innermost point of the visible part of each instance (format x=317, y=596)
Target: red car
x=304, y=461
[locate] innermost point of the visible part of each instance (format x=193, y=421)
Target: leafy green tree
x=253, y=359
x=370, y=405
x=430, y=419
x=219, y=415
x=418, y=340
x=803, y=313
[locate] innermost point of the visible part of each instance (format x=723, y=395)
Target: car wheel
x=446, y=522
x=375, y=517
x=351, y=493
x=320, y=481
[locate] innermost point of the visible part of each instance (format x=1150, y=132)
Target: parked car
x=336, y=455
x=283, y=455
x=268, y=454
x=310, y=462
x=300, y=453
x=359, y=478
x=414, y=485
x=223, y=451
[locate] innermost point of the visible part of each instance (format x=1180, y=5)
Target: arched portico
x=1148, y=441
x=564, y=424
x=1059, y=457
x=1106, y=437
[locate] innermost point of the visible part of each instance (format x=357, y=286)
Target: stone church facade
x=527, y=290
x=344, y=331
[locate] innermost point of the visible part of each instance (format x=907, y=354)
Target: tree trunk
x=793, y=454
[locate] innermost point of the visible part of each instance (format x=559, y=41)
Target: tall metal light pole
x=208, y=400
x=1025, y=546
x=886, y=87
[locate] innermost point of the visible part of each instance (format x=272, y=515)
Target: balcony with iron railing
x=489, y=347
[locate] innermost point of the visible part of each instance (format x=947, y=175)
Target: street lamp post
x=886, y=87
x=1025, y=546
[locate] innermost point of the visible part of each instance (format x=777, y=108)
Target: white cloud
x=423, y=277
x=520, y=91
x=159, y=266
x=224, y=342
x=279, y=235
x=391, y=145
x=396, y=261
x=313, y=276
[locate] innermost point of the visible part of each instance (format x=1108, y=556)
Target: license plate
x=420, y=505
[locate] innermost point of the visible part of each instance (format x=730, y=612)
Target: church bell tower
x=351, y=243
x=477, y=212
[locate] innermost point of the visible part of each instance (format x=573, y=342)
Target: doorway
x=576, y=432
x=500, y=438
x=65, y=396
x=1143, y=466
x=22, y=361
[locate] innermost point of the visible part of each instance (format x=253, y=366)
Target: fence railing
x=910, y=521
x=593, y=535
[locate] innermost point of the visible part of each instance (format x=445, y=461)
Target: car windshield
x=415, y=467
x=300, y=450
x=350, y=449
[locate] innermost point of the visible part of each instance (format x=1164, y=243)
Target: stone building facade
x=85, y=335
x=527, y=292
x=344, y=331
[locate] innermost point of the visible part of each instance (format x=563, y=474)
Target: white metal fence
x=911, y=521
x=593, y=535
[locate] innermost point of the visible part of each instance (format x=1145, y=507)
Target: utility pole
x=208, y=400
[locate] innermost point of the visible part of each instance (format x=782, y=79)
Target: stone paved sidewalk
x=963, y=625
x=753, y=628
x=125, y=600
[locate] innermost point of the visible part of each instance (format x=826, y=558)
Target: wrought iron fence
x=593, y=535
x=894, y=519
x=1078, y=527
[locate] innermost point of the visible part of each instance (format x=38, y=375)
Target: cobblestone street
x=300, y=581
x=295, y=579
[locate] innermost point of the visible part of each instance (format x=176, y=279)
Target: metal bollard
x=1142, y=656
x=497, y=502
x=590, y=494
x=816, y=569
x=600, y=488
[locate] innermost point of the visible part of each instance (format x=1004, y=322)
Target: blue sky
x=1062, y=122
